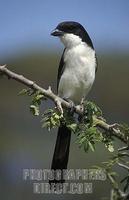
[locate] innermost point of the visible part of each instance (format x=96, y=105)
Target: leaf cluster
x=36, y=99
x=88, y=136
x=120, y=188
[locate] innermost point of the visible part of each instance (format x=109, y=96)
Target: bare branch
x=50, y=95
x=31, y=84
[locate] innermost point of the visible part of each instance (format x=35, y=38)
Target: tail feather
x=61, y=152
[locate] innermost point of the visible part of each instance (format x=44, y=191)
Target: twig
x=50, y=95
x=110, y=129
x=124, y=166
x=123, y=148
x=123, y=154
x=31, y=84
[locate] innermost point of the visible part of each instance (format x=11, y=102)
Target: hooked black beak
x=57, y=32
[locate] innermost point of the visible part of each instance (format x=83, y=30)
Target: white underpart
x=79, y=74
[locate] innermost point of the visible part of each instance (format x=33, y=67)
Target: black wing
x=60, y=69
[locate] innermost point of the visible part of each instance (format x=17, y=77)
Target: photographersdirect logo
x=77, y=181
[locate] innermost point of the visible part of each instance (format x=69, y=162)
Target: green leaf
x=124, y=128
x=72, y=127
x=86, y=147
x=37, y=98
x=91, y=145
x=110, y=147
x=51, y=119
x=34, y=109
x=23, y=92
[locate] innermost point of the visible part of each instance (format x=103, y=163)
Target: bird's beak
x=57, y=32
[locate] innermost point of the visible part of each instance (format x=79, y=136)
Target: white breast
x=79, y=73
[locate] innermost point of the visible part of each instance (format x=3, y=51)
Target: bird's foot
x=59, y=106
x=81, y=107
x=82, y=104
x=72, y=105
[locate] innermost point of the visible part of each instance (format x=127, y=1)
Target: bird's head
x=71, y=34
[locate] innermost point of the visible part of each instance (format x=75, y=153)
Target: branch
x=111, y=129
x=124, y=166
x=123, y=148
x=50, y=95
x=31, y=84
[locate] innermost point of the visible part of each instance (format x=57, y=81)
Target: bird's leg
x=82, y=104
x=81, y=107
x=72, y=105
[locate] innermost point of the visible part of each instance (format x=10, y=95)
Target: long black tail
x=61, y=152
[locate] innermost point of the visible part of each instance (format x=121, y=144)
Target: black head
x=74, y=28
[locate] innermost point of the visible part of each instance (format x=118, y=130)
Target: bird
x=76, y=75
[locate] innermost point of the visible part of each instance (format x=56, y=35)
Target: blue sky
x=28, y=23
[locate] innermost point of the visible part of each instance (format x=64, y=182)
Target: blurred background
x=27, y=48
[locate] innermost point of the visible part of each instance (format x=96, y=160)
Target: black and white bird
x=76, y=75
